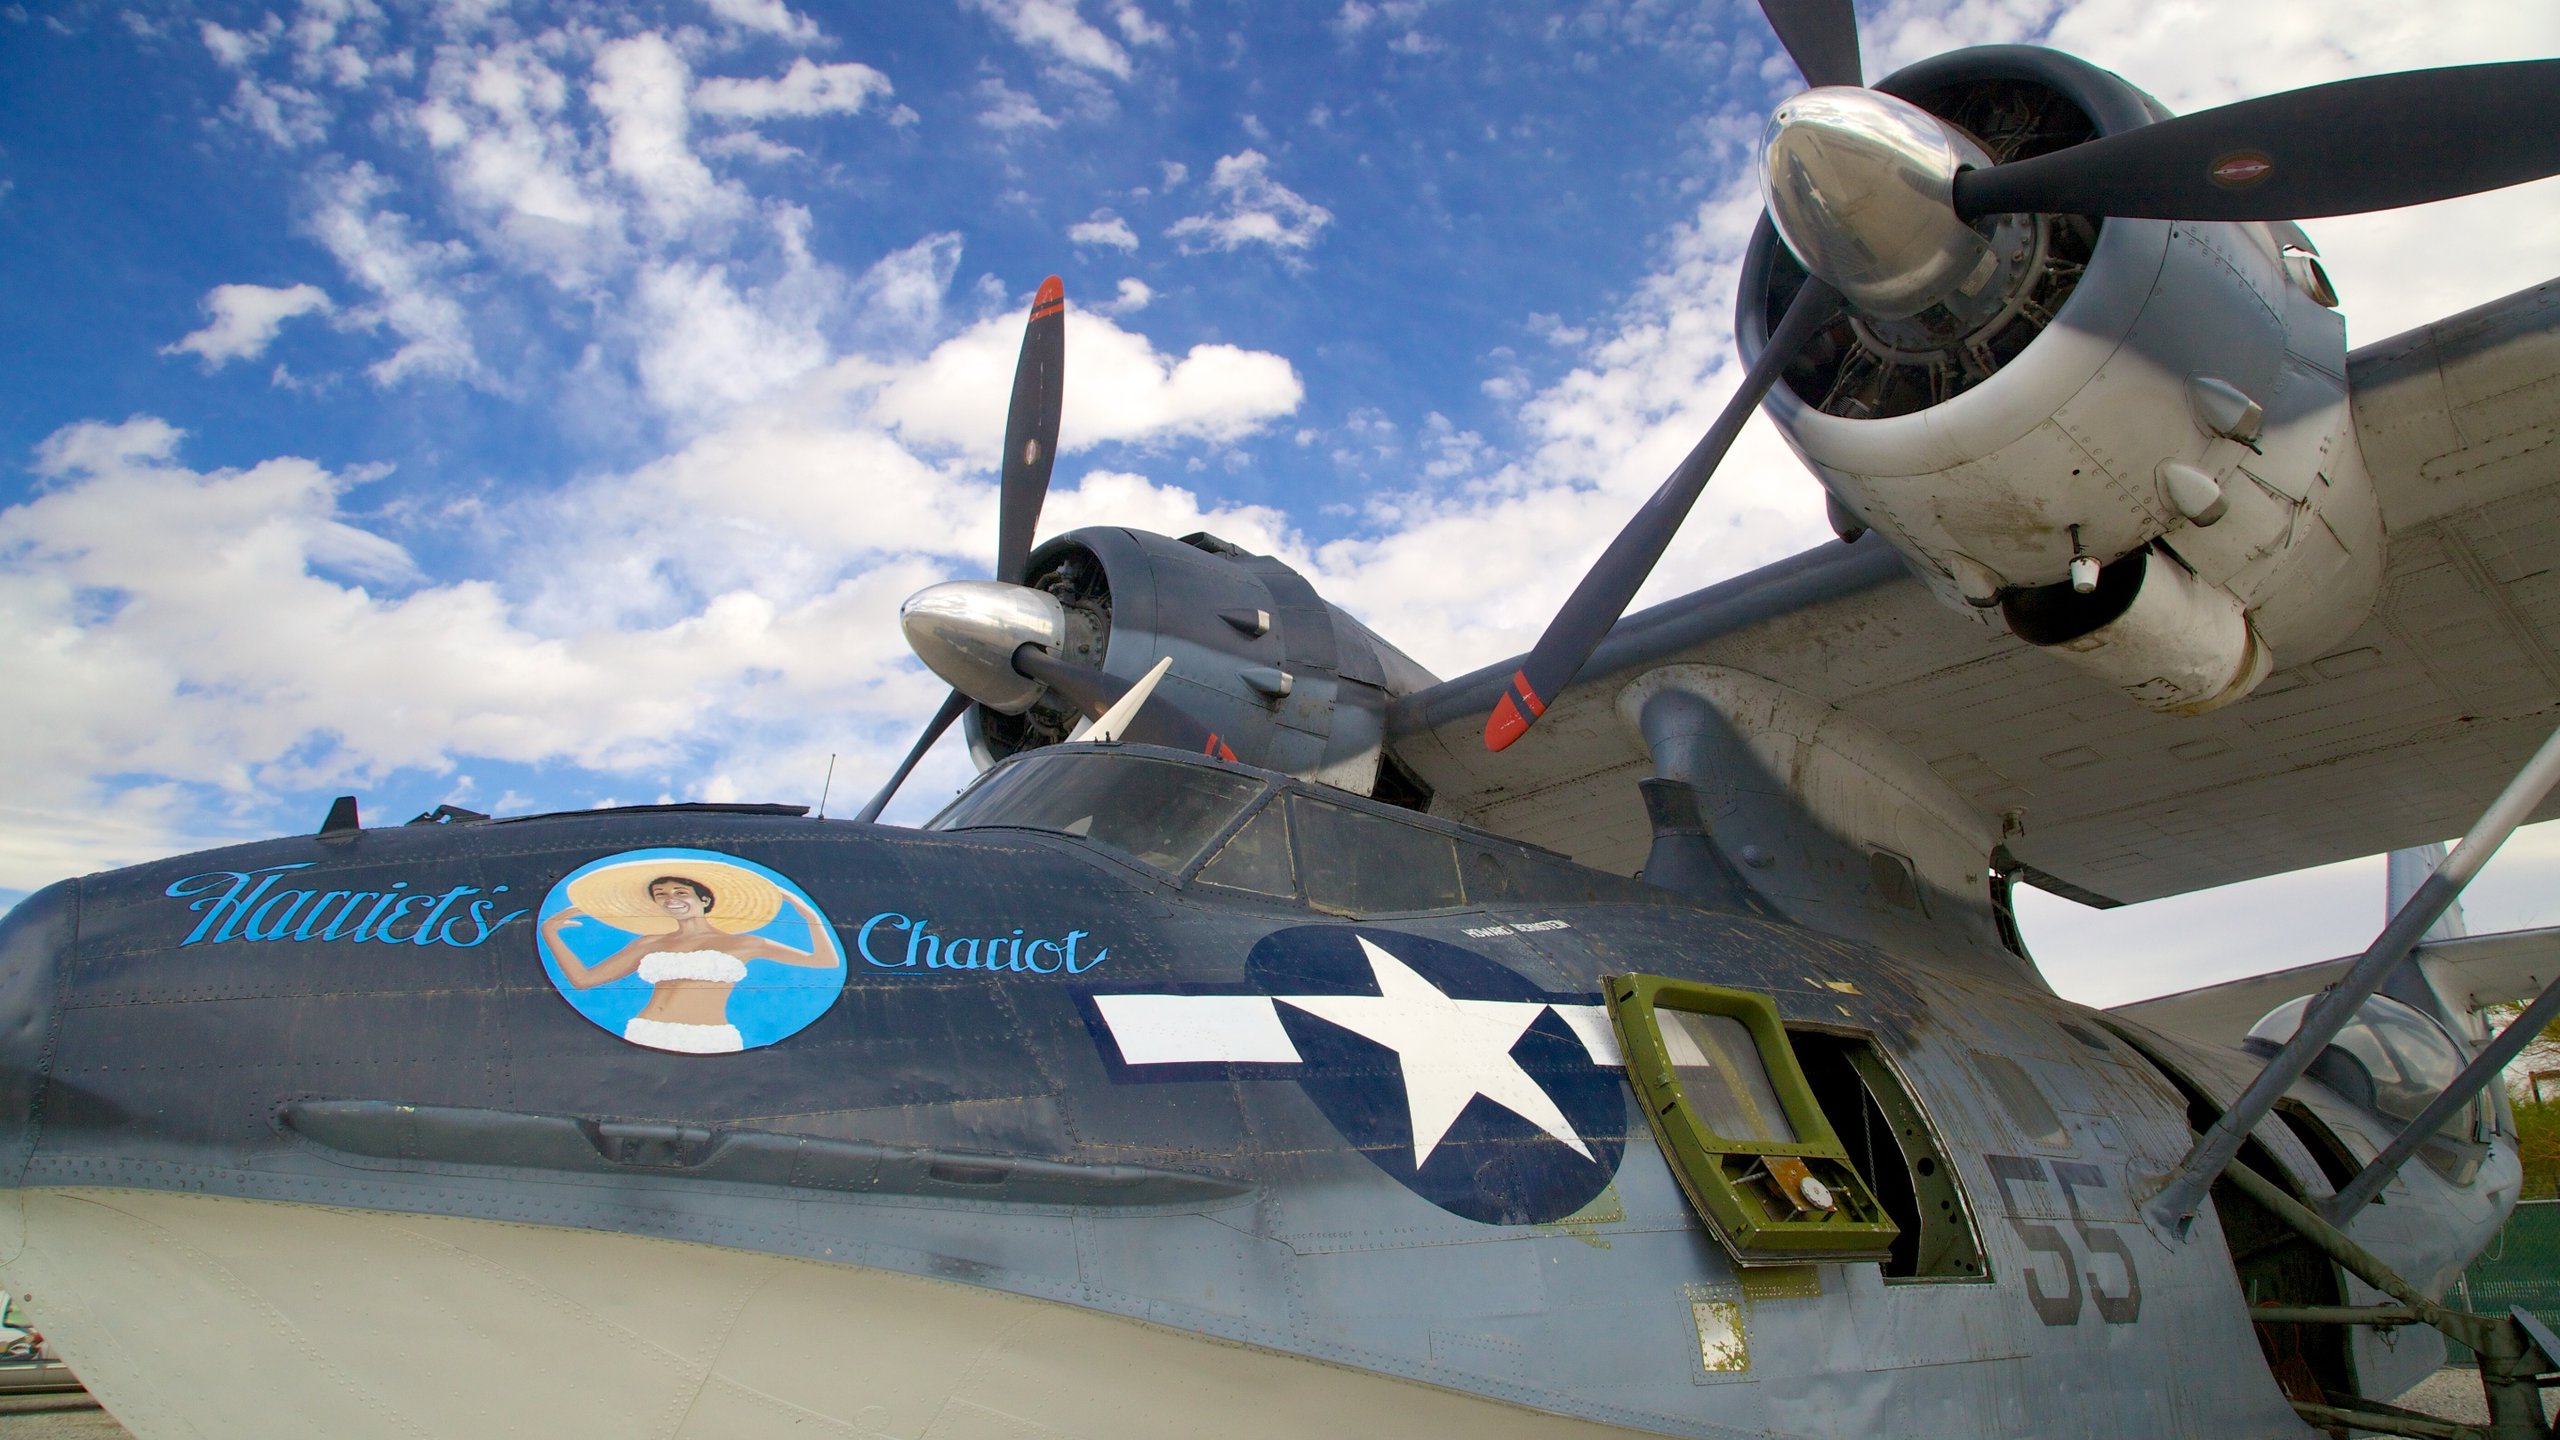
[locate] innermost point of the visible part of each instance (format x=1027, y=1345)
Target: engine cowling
x=1287, y=680
x=2165, y=399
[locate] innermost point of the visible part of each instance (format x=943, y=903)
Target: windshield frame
x=1264, y=785
x=1471, y=841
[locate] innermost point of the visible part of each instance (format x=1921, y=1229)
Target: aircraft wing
x=2471, y=971
x=2398, y=737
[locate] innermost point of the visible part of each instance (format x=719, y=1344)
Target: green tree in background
x=2538, y=1148
x=2537, y=1119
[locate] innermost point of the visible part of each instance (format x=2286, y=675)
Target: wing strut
x=2171, y=1210
x=2515, y=1349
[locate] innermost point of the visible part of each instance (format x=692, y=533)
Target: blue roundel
x=1448, y=1071
x=691, y=951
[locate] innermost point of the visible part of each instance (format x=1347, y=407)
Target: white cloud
x=1118, y=497
x=783, y=501
x=708, y=303
x=1137, y=28
x=1105, y=229
x=804, y=89
x=499, y=124
x=289, y=116
x=374, y=246
x=1009, y=110
x=243, y=320
x=900, y=298
x=236, y=48
x=1123, y=388
x=707, y=348
x=1256, y=210
x=751, y=145
x=337, y=43
x=222, y=630
x=708, y=345
x=1554, y=331
x=1133, y=296
x=92, y=446
x=1355, y=17
x=641, y=87
x=1056, y=27
x=769, y=17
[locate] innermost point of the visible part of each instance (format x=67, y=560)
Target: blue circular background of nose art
x=794, y=970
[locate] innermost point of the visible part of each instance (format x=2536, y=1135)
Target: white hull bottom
x=196, y=1316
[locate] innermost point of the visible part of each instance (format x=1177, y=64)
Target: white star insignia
x=1450, y=1051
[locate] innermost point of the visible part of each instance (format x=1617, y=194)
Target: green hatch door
x=1729, y=1104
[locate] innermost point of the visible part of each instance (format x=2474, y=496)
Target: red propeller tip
x=1508, y=722
x=1528, y=693
x=1051, y=299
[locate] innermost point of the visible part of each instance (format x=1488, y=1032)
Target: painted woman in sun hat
x=691, y=919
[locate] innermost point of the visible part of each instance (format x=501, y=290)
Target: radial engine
x=2128, y=437
x=1263, y=669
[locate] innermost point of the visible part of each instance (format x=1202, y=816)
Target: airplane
x=1634, y=1037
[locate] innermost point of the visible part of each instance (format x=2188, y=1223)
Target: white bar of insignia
x=1196, y=1029
x=1599, y=1037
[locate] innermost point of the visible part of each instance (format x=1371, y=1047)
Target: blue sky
x=531, y=407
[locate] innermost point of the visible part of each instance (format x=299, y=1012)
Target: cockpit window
x=1355, y=863
x=1161, y=812
x=1257, y=859
x=2390, y=1059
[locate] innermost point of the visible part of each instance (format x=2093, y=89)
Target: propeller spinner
x=996, y=641
x=1893, y=212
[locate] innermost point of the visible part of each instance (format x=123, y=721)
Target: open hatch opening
x=1891, y=1143
x=1792, y=1145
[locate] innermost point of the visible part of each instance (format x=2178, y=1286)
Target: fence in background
x=2520, y=1267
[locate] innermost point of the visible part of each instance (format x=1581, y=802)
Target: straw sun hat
x=741, y=900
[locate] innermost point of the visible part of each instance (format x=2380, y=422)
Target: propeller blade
x=1031, y=428
x=941, y=721
x=1159, y=723
x=1821, y=36
x=1602, y=597
x=2375, y=143
x=1115, y=721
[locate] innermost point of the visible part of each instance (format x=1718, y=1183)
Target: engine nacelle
x=2169, y=398
x=1286, y=680
x=2151, y=629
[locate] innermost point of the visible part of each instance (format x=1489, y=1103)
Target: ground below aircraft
x=1279, y=1058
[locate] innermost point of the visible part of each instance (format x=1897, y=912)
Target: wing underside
x=2395, y=738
